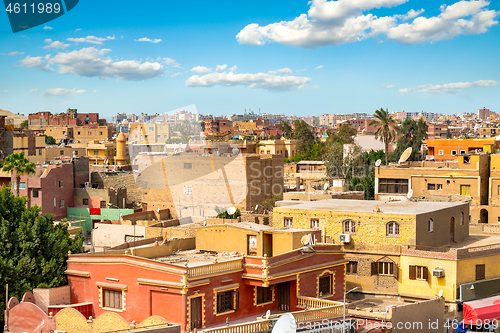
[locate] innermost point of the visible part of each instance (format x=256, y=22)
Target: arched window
x=393, y=229
x=430, y=225
x=349, y=227
x=462, y=218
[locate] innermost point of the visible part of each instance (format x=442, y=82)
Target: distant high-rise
x=483, y=113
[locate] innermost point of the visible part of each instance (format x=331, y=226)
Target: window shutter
x=425, y=272
x=396, y=271
x=413, y=272
x=374, y=268
x=236, y=300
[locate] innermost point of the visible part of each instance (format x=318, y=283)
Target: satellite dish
x=497, y=138
x=410, y=193
x=305, y=240
x=378, y=162
x=441, y=292
x=326, y=186
x=256, y=207
x=268, y=314
x=405, y=155
x=231, y=210
x=286, y=323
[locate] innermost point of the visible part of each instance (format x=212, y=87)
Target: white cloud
x=94, y=91
x=331, y=22
x=39, y=63
x=55, y=44
x=171, y=62
x=450, y=87
x=91, y=62
x=220, y=68
x=14, y=53
x=62, y=92
x=234, y=68
x=145, y=39
x=281, y=71
x=175, y=74
x=389, y=86
x=91, y=39
x=319, y=67
x=5, y=91
x=79, y=29
x=48, y=28
x=258, y=80
x=63, y=103
x=34, y=90
x=201, y=69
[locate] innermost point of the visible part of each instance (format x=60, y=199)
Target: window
x=349, y=227
x=22, y=186
x=100, y=133
x=351, y=267
x=61, y=203
x=392, y=229
x=439, y=186
x=264, y=295
x=383, y=268
x=86, y=202
x=325, y=285
x=60, y=183
x=61, y=152
x=35, y=193
x=480, y=272
x=188, y=165
x=314, y=223
x=418, y=272
x=430, y=225
x=112, y=298
x=288, y=222
x=462, y=218
x=96, y=152
x=441, y=152
x=78, y=133
x=462, y=152
x=151, y=129
x=103, y=204
x=431, y=187
x=393, y=185
x=40, y=152
x=464, y=189
x=453, y=153
x=76, y=152
x=227, y=301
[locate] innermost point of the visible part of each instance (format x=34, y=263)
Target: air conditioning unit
x=344, y=238
x=438, y=272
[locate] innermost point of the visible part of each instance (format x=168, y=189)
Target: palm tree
x=386, y=129
x=17, y=162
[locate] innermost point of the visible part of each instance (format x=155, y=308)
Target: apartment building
x=450, y=149
x=436, y=131
x=483, y=113
x=287, y=148
x=141, y=133
x=217, y=126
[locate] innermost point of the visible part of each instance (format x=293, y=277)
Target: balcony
x=215, y=268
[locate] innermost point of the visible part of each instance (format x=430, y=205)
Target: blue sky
x=291, y=57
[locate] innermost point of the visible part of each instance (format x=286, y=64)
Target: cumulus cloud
x=34, y=90
x=171, y=62
x=319, y=67
x=55, y=44
x=220, y=68
x=258, y=80
x=62, y=92
x=389, y=86
x=175, y=74
x=281, y=71
x=234, y=68
x=201, y=69
x=39, y=63
x=145, y=39
x=48, y=28
x=91, y=39
x=450, y=87
x=330, y=22
x=91, y=62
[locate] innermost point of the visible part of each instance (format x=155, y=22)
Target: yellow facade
x=149, y=133
x=90, y=134
x=245, y=126
x=286, y=148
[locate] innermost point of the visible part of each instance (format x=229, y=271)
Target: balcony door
x=284, y=296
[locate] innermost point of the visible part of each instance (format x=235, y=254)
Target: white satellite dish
x=326, y=186
x=441, y=292
x=256, y=207
x=268, y=314
x=285, y=324
x=378, y=162
x=405, y=155
x=305, y=240
x=410, y=193
x=231, y=210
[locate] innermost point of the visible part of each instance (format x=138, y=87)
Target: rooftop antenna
x=378, y=162
x=406, y=155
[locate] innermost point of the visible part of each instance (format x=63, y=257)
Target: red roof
x=482, y=309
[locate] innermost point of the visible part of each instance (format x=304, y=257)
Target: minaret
x=121, y=145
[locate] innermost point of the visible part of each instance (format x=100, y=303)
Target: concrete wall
x=429, y=313
x=111, y=235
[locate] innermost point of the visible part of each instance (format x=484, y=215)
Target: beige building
x=277, y=147
x=59, y=132
x=98, y=153
x=149, y=133
x=25, y=141
x=83, y=134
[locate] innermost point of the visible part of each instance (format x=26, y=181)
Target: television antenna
x=405, y=155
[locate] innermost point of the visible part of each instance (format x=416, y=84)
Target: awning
x=482, y=309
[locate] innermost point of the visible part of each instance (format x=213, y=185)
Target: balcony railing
x=256, y=326
x=314, y=303
x=215, y=268
x=331, y=312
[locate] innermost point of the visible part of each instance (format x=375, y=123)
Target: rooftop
x=371, y=206
x=195, y=258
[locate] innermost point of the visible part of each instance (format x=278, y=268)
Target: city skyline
x=295, y=58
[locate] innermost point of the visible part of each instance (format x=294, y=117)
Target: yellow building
x=98, y=153
x=59, y=132
x=84, y=134
x=277, y=147
x=25, y=141
x=149, y=133
x=244, y=126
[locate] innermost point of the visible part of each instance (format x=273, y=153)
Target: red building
x=198, y=289
x=216, y=126
x=70, y=118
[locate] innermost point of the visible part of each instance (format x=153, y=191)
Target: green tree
x=18, y=163
x=33, y=251
x=202, y=124
x=413, y=133
x=386, y=129
x=344, y=134
x=448, y=133
x=285, y=127
x=223, y=214
x=24, y=124
x=49, y=140
x=303, y=134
